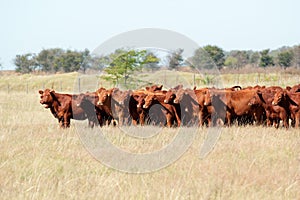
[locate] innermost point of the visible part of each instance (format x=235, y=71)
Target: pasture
x=38, y=160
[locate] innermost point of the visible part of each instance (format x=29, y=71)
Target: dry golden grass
x=40, y=161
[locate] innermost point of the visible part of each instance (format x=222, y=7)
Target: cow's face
x=140, y=100
x=170, y=97
x=278, y=97
x=46, y=97
x=103, y=96
x=208, y=98
x=79, y=99
x=121, y=97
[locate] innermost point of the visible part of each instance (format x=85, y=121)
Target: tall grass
x=38, y=160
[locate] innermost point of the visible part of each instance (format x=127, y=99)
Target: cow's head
x=47, y=97
x=149, y=99
x=121, y=97
x=170, y=97
x=154, y=88
x=208, y=95
x=104, y=96
x=278, y=98
x=80, y=99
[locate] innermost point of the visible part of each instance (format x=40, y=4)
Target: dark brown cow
x=120, y=106
x=62, y=106
x=88, y=102
x=290, y=102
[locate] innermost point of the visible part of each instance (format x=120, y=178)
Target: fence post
x=194, y=80
x=79, y=85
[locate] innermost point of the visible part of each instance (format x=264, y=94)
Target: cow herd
x=178, y=106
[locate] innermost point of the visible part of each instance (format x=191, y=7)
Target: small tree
x=265, y=59
x=175, y=59
x=124, y=63
x=285, y=59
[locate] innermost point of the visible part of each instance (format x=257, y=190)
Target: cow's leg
x=297, y=120
x=169, y=120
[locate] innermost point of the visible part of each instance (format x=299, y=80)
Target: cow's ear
x=147, y=88
x=195, y=87
x=52, y=91
x=288, y=88
x=41, y=92
x=110, y=91
x=160, y=87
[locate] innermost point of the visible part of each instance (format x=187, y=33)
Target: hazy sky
x=31, y=25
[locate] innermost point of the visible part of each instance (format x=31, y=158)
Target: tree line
x=123, y=62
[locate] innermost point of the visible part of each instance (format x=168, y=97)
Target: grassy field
x=40, y=161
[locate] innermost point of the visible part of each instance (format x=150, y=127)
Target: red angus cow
x=138, y=114
x=188, y=103
x=274, y=113
x=291, y=104
x=231, y=105
x=205, y=111
x=173, y=112
x=136, y=111
x=105, y=104
x=62, y=106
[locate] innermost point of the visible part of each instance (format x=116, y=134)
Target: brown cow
x=290, y=102
x=105, y=104
x=187, y=100
x=205, y=111
x=62, y=106
x=120, y=106
x=274, y=113
x=138, y=114
x=172, y=111
x=230, y=105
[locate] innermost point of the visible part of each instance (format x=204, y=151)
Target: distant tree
x=46, y=59
x=175, y=59
x=242, y=58
x=124, y=63
x=285, y=59
x=69, y=61
x=25, y=63
x=265, y=59
x=296, y=52
x=152, y=61
x=216, y=54
x=231, y=62
x=99, y=62
x=86, y=60
x=255, y=58
x=201, y=60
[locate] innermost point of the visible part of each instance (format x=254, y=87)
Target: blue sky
x=31, y=25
